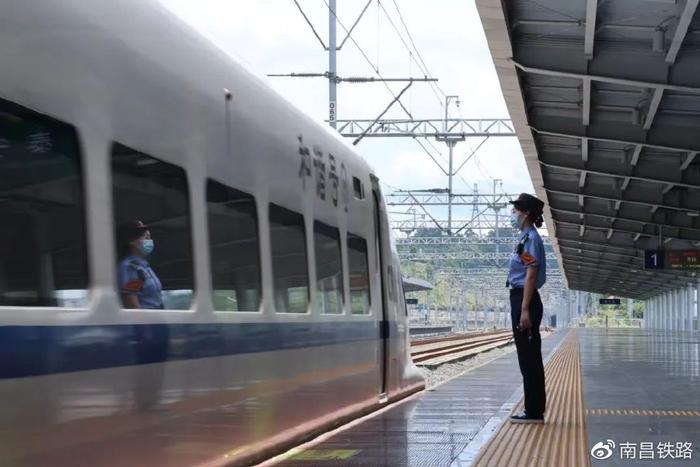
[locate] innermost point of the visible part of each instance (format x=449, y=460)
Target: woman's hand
x=130, y=301
x=525, y=322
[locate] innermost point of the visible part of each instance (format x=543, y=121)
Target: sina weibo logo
x=602, y=450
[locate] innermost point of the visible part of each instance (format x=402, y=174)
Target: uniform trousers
x=528, y=344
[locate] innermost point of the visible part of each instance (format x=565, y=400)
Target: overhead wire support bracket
x=371, y=79
x=362, y=135
x=298, y=75
x=347, y=36
x=308, y=21
x=350, y=79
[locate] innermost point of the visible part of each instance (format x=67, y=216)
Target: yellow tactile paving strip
x=562, y=440
x=645, y=412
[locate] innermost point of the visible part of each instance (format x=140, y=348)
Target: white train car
x=284, y=311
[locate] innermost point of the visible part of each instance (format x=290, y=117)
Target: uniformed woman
x=527, y=274
x=139, y=286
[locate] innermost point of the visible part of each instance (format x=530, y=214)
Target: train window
x=233, y=247
x=289, y=260
x=329, y=269
x=43, y=259
x=359, y=275
x=152, y=215
x=357, y=188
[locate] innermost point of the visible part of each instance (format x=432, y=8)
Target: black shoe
x=525, y=418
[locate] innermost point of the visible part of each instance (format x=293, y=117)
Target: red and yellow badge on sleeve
x=133, y=286
x=527, y=259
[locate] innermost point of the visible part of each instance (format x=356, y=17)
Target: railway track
x=431, y=353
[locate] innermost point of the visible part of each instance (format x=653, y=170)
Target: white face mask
x=147, y=246
x=515, y=220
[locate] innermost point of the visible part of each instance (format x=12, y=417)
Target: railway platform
x=630, y=392
x=432, y=428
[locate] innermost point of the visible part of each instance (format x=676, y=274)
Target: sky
x=271, y=36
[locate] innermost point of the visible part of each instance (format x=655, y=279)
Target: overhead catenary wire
x=413, y=43
x=389, y=186
x=410, y=73
x=416, y=64
x=420, y=66
x=423, y=68
x=401, y=38
x=432, y=157
x=436, y=89
x=377, y=36
x=413, y=52
x=482, y=169
x=430, y=143
x=420, y=63
x=367, y=59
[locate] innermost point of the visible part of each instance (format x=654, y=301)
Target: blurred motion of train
x=284, y=312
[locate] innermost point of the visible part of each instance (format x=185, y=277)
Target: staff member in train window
x=527, y=274
x=139, y=286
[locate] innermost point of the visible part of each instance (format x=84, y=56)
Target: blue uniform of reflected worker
x=527, y=274
x=139, y=287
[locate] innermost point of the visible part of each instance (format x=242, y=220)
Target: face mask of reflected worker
x=147, y=246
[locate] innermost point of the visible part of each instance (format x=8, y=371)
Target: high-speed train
x=283, y=311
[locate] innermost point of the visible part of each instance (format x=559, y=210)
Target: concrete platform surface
x=642, y=386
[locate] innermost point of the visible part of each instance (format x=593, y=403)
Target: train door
x=381, y=258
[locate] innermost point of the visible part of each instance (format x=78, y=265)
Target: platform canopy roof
x=414, y=284
x=605, y=98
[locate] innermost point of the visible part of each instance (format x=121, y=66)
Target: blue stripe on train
x=41, y=350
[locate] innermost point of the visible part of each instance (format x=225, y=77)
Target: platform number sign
x=654, y=259
x=609, y=301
